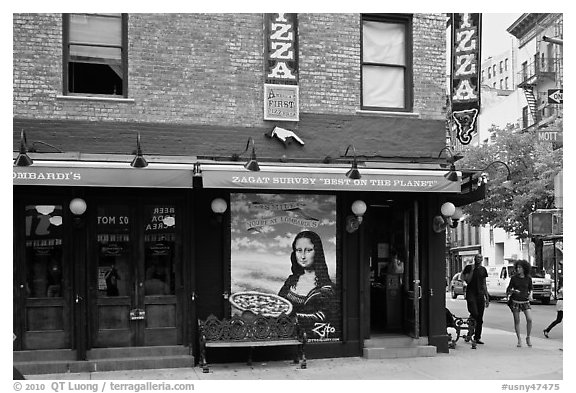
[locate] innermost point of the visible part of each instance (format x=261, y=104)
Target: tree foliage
x=532, y=164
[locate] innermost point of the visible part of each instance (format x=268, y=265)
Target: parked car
x=499, y=278
x=457, y=286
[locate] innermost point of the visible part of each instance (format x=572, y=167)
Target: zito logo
x=323, y=329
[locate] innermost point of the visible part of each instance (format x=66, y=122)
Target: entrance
x=393, y=275
x=134, y=284
x=42, y=277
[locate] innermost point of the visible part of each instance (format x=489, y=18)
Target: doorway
x=42, y=285
x=134, y=279
x=393, y=272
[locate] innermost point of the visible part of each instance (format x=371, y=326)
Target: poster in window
x=283, y=251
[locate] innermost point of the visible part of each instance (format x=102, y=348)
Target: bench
x=250, y=330
x=460, y=324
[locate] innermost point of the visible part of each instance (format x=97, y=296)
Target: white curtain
x=383, y=87
x=383, y=43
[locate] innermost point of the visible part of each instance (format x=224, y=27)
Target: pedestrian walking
x=559, y=312
x=477, y=299
x=519, y=294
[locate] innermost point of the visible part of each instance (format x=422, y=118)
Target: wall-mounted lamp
x=252, y=164
x=353, y=173
x=78, y=206
x=139, y=161
x=508, y=184
x=23, y=159
x=451, y=216
x=359, y=208
x=353, y=221
x=452, y=175
x=45, y=209
x=219, y=206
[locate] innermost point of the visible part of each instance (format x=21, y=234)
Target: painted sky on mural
x=261, y=257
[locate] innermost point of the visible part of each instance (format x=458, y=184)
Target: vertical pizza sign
x=465, y=83
x=281, y=67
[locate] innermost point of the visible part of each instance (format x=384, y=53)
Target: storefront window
x=159, y=242
x=284, y=260
x=44, y=251
x=113, y=241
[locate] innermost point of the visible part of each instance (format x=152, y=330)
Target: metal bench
x=460, y=324
x=250, y=330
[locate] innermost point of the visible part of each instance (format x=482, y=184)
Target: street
x=499, y=316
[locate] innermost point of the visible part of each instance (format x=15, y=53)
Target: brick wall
x=207, y=69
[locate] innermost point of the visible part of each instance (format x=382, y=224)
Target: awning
x=103, y=174
x=327, y=179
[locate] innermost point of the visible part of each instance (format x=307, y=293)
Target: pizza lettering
x=266, y=304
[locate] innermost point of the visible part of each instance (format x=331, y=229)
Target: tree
x=532, y=164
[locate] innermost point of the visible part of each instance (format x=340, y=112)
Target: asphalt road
x=499, y=316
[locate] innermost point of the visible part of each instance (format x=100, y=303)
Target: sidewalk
x=498, y=359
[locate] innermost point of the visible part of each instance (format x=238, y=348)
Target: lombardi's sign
x=464, y=80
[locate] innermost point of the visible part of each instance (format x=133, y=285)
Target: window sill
x=90, y=98
x=412, y=115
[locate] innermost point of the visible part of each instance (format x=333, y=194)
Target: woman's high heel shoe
x=528, y=341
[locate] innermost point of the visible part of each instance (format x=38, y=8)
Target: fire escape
x=546, y=66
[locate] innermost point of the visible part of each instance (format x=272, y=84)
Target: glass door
x=411, y=271
x=43, y=284
x=114, y=291
x=159, y=301
x=134, y=284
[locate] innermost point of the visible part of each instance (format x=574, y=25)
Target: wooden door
x=161, y=286
x=412, y=271
x=42, y=286
x=134, y=283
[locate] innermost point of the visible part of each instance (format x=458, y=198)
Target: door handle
x=226, y=295
x=78, y=298
x=193, y=295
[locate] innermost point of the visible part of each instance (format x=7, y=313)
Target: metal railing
x=544, y=67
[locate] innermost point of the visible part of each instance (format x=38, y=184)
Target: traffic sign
x=550, y=136
x=555, y=96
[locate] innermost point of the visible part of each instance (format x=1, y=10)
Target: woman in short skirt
x=519, y=293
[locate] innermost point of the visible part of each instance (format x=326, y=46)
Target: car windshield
x=538, y=273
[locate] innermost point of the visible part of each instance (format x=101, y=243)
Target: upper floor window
x=482, y=75
x=501, y=67
x=386, y=66
x=494, y=69
x=95, y=54
x=506, y=64
x=489, y=73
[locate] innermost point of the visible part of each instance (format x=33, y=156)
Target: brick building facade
x=192, y=89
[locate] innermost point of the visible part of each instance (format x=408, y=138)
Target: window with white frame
x=95, y=54
x=386, y=62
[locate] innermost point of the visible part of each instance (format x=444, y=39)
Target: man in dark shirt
x=476, y=294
